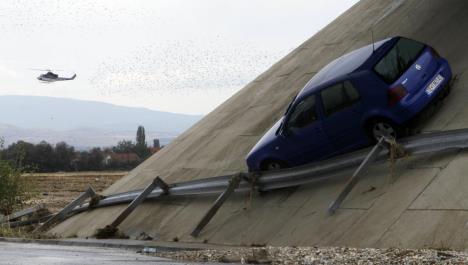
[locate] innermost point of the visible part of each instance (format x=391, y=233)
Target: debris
x=314, y=255
x=230, y=258
x=95, y=200
x=109, y=232
x=396, y=151
x=148, y=250
x=445, y=255
x=144, y=236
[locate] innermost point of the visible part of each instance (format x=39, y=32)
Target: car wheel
x=271, y=165
x=380, y=128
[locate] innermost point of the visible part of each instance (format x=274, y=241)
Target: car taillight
x=434, y=53
x=396, y=94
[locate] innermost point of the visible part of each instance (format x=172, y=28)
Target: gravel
x=313, y=256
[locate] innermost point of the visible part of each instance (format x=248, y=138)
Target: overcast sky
x=178, y=56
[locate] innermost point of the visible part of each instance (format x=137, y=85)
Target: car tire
x=382, y=127
x=271, y=165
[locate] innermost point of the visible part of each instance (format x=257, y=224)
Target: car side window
x=339, y=97
x=303, y=114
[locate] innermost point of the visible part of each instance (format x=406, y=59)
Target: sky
x=169, y=55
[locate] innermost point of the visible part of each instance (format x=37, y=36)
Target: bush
x=14, y=189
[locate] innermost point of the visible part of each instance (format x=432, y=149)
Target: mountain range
x=84, y=124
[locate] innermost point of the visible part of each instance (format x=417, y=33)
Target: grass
x=23, y=232
x=6, y=231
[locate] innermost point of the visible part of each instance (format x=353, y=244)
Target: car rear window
x=339, y=97
x=303, y=114
x=398, y=59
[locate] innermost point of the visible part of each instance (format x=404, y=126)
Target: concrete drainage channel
x=265, y=181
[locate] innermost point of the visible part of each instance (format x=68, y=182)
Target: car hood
x=269, y=137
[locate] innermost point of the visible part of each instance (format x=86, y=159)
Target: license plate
x=434, y=85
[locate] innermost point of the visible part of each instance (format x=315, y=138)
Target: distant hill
x=84, y=123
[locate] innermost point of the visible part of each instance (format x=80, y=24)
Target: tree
x=124, y=146
x=141, y=148
x=14, y=189
x=43, y=156
x=20, y=154
x=141, y=137
x=64, y=154
x=91, y=160
x=95, y=159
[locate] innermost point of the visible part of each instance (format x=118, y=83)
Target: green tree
x=140, y=136
x=95, y=159
x=20, y=154
x=124, y=146
x=43, y=157
x=64, y=154
x=141, y=148
x=14, y=188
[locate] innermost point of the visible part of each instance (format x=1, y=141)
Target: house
x=128, y=157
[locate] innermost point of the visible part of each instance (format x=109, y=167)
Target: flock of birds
x=157, y=65
x=178, y=67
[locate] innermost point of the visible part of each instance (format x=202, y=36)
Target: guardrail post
x=111, y=230
x=232, y=186
x=355, y=177
x=163, y=185
x=24, y=212
x=89, y=193
x=139, y=199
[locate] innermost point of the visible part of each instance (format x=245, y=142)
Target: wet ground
x=38, y=254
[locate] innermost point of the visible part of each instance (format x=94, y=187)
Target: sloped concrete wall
x=424, y=202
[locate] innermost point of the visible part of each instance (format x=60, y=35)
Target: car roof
x=342, y=66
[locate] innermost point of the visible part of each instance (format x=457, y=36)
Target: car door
x=342, y=113
x=305, y=140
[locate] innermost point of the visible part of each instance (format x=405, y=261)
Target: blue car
x=373, y=91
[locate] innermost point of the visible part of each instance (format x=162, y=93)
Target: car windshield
x=303, y=114
x=398, y=59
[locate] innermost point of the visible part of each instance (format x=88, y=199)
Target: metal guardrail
x=19, y=214
x=315, y=172
x=291, y=177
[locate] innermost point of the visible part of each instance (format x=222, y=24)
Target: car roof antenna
x=373, y=43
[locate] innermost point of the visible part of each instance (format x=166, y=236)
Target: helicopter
x=52, y=77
